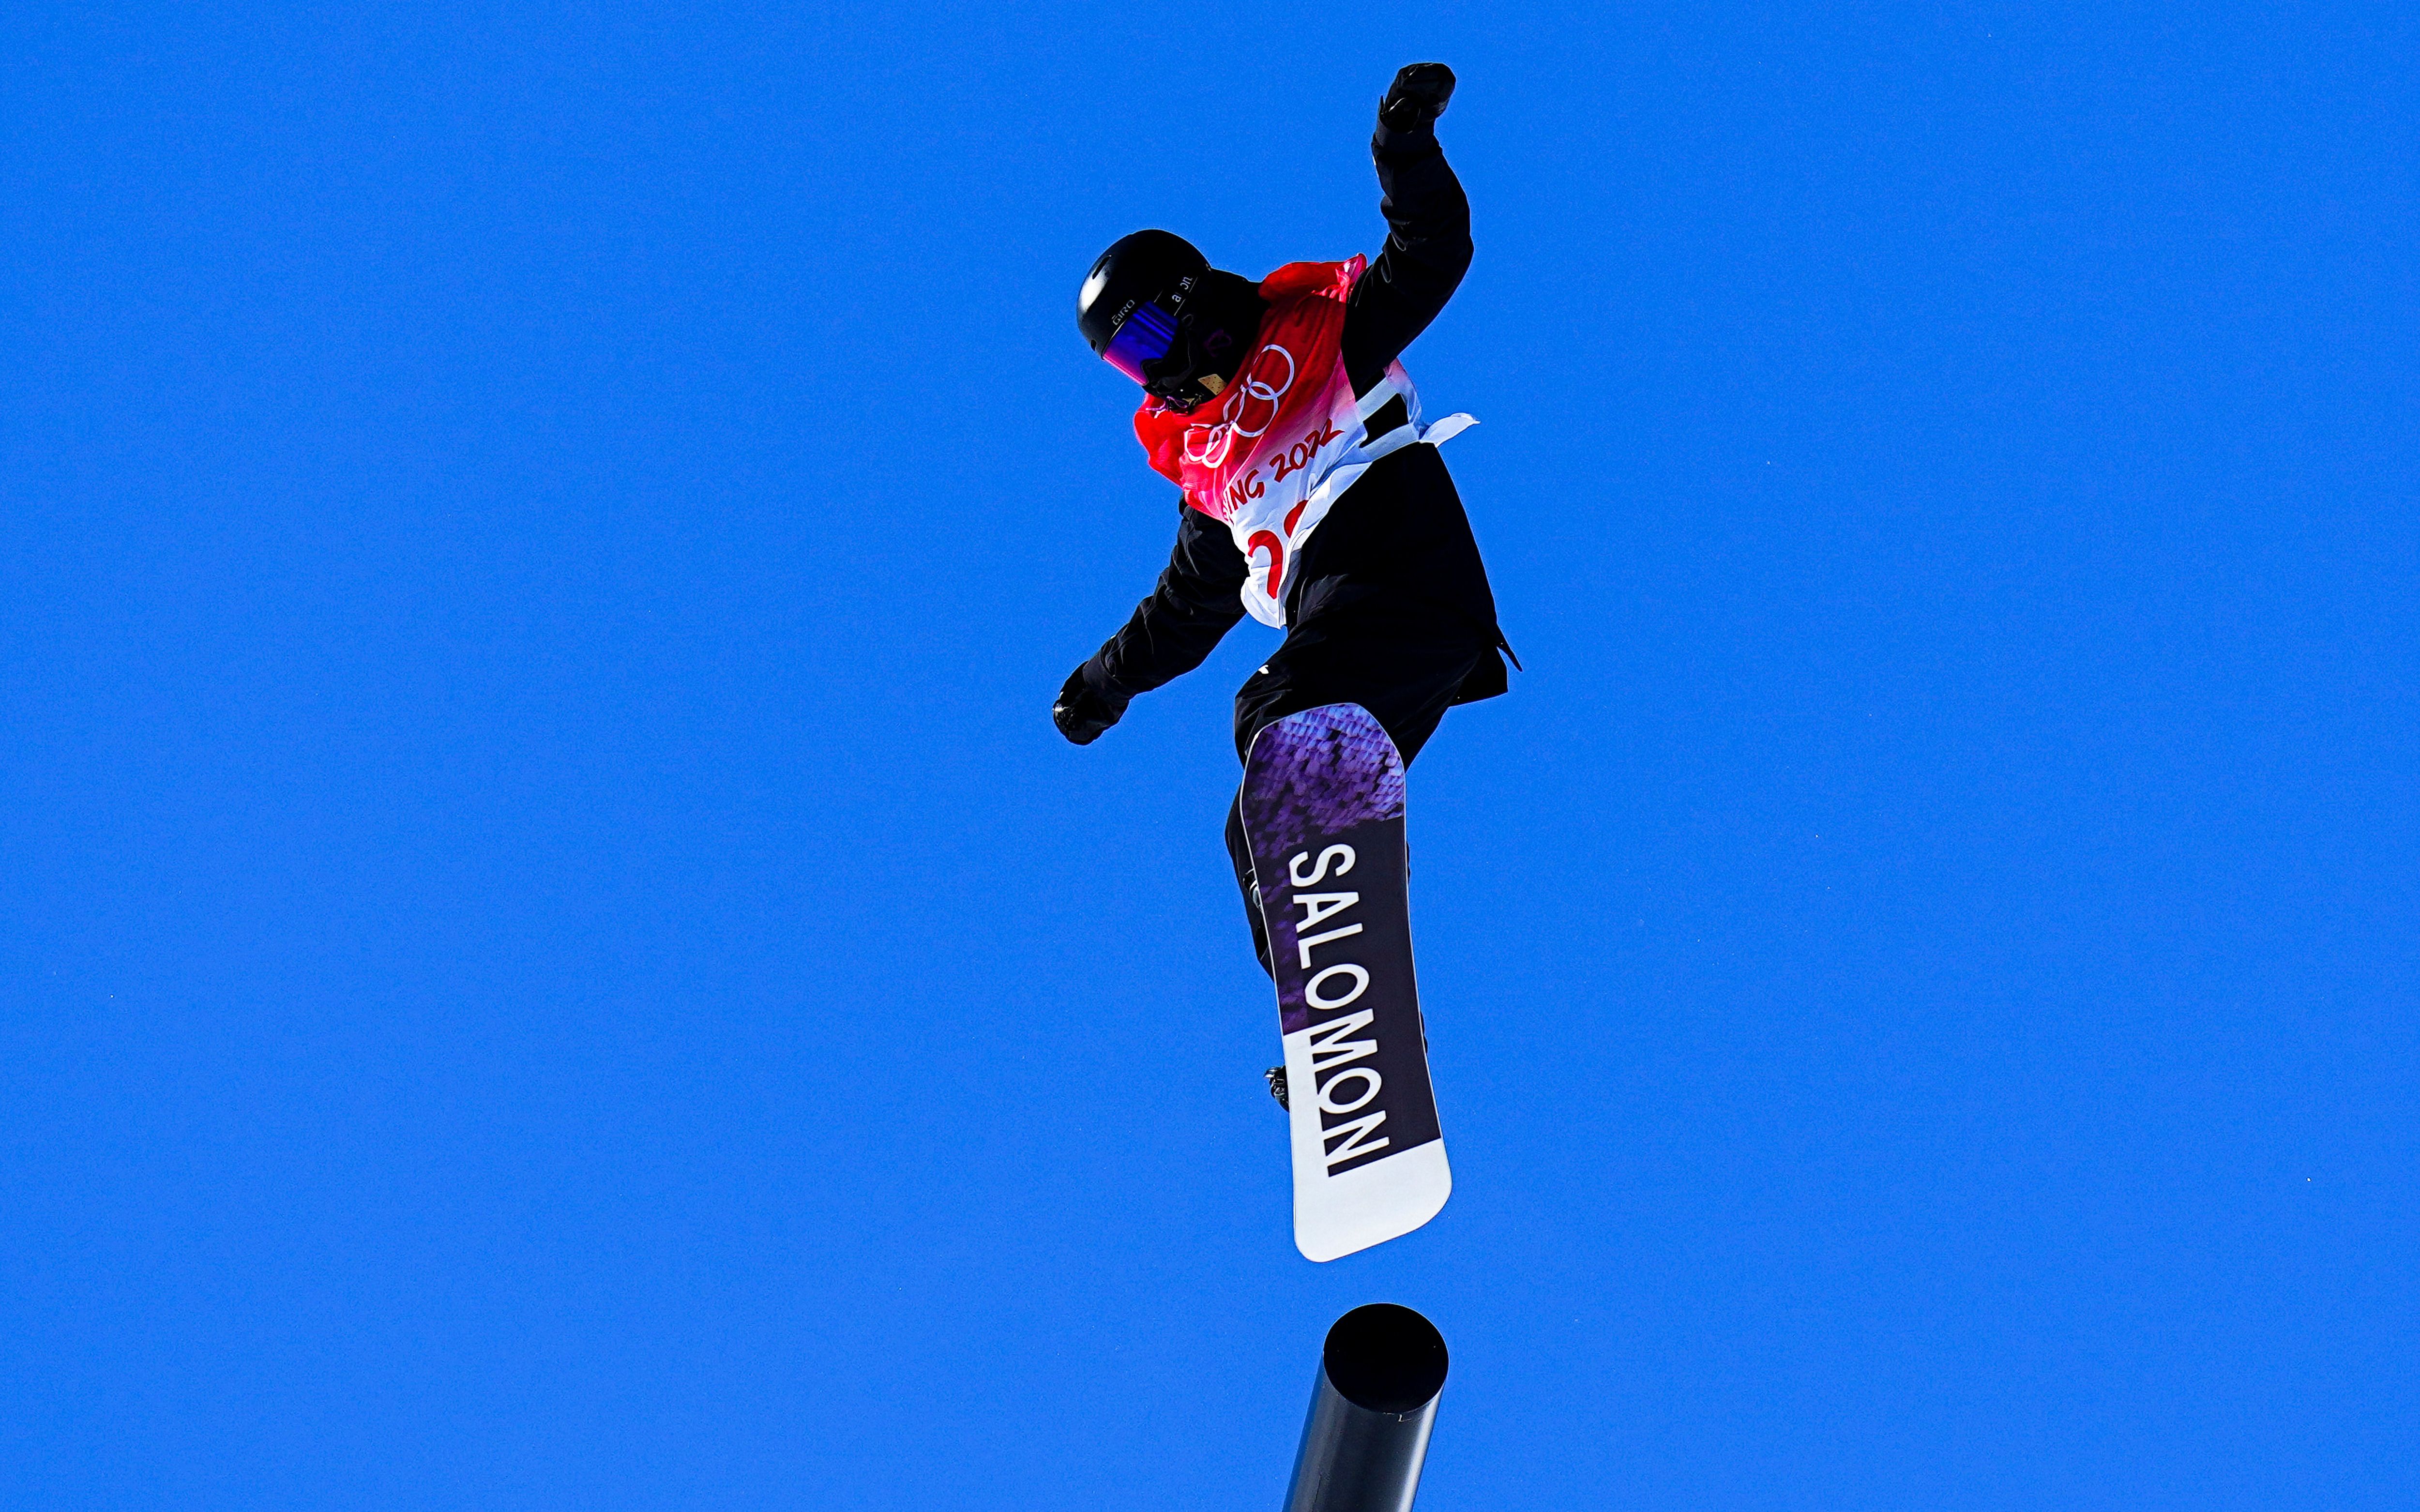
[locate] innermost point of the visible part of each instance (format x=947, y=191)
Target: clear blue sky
x=550, y=956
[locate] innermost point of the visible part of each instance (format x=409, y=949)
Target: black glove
x=1082, y=714
x=1417, y=96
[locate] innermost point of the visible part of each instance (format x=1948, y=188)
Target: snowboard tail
x=1323, y=810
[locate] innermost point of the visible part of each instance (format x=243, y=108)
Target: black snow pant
x=1407, y=664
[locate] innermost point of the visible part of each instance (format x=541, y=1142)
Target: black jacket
x=1398, y=534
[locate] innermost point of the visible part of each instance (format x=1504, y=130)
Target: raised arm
x=1196, y=602
x=1428, y=227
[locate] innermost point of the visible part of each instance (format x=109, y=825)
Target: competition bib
x=1272, y=454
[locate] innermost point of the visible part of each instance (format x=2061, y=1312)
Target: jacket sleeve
x=1427, y=252
x=1196, y=601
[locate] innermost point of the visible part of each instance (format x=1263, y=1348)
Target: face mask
x=1187, y=377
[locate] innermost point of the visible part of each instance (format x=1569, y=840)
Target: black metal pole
x=1371, y=1413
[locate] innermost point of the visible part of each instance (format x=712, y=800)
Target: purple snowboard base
x=1323, y=808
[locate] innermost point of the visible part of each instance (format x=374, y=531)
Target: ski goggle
x=1145, y=337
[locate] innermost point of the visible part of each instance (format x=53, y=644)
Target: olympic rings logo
x=1219, y=440
x=1214, y=442
x=1254, y=387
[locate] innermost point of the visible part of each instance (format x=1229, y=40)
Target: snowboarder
x=1313, y=496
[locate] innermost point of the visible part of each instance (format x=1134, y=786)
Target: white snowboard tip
x=1369, y=1205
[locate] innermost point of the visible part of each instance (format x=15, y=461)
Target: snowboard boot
x=1278, y=1087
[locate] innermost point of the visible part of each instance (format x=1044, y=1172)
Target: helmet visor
x=1145, y=337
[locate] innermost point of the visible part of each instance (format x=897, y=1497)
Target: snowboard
x=1323, y=810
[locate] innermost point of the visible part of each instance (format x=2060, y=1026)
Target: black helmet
x=1147, y=267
